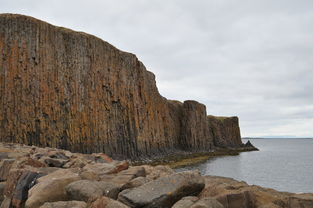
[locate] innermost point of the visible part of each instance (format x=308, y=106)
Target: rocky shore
x=35, y=177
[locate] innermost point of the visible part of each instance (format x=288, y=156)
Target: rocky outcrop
x=67, y=89
x=225, y=131
x=32, y=186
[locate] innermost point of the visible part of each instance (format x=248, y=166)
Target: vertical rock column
x=195, y=135
x=225, y=131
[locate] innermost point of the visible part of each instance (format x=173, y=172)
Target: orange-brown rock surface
x=225, y=131
x=67, y=89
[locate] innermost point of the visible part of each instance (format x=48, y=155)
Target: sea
x=281, y=164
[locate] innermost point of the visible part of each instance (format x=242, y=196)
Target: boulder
x=110, y=189
x=105, y=202
x=163, y=192
x=87, y=190
x=51, y=188
x=64, y=204
x=84, y=190
x=186, y=202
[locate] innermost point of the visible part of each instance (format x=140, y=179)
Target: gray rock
x=87, y=190
x=109, y=189
x=163, y=192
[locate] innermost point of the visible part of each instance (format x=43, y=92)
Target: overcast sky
x=250, y=58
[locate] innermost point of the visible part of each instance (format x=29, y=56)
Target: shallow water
x=282, y=164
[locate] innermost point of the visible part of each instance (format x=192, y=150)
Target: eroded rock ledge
x=70, y=90
x=34, y=177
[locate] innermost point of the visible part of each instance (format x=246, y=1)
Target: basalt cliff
x=70, y=90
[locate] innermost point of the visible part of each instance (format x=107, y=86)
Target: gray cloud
x=239, y=57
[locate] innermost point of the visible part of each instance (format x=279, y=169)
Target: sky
x=247, y=58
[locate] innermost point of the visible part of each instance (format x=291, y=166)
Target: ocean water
x=282, y=164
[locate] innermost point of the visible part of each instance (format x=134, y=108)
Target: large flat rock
x=163, y=192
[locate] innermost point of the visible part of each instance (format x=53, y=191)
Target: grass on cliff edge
x=183, y=160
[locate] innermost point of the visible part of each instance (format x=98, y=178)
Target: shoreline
x=183, y=159
x=35, y=177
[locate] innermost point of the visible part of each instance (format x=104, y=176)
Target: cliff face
x=225, y=131
x=71, y=90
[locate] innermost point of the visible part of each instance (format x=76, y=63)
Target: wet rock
x=163, y=192
x=51, y=188
x=64, y=204
x=249, y=146
x=105, y=202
